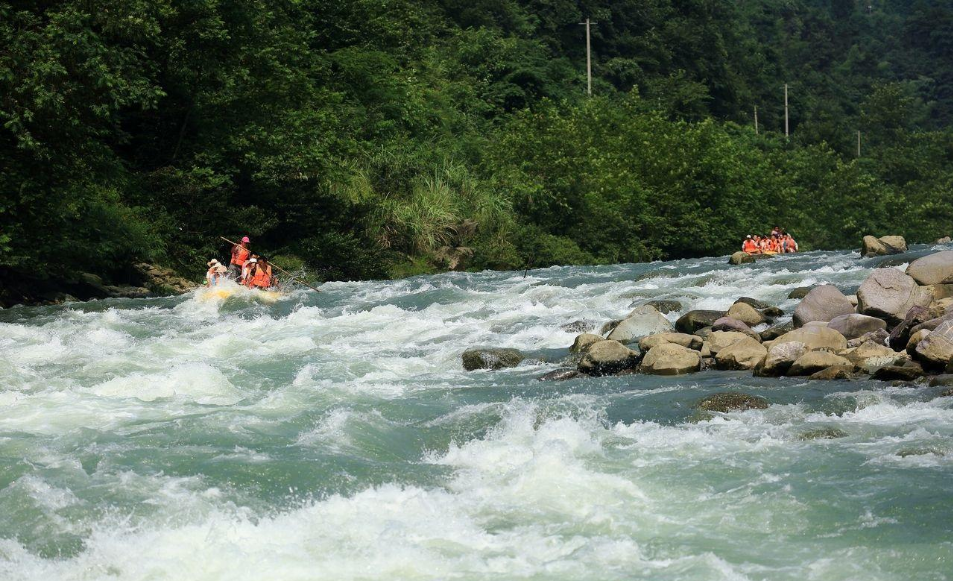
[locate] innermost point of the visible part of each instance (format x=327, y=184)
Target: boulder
x=740, y=258
x=814, y=361
x=729, y=324
x=746, y=314
x=936, y=349
x=941, y=291
x=697, y=319
x=781, y=357
x=745, y=354
x=732, y=401
x=722, y=339
x=932, y=323
x=643, y=323
x=906, y=372
x=854, y=325
x=671, y=359
x=814, y=337
x=491, y=358
x=704, y=333
x=900, y=335
x=608, y=357
x=870, y=357
x=945, y=380
x=823, y=303
x=834, y=372
x=683, y=339
x=882, y=246
x=583, y=342
x=773, y=333
x=888, y=294
x=800, y=292
x=560, y=375
x=933, y=269
x=944, y=240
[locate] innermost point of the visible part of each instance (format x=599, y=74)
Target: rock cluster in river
x=898, y=327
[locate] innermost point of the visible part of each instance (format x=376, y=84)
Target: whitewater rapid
x=336, y=436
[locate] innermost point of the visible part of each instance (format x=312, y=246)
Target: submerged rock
x=732, y=401
x=800, y=292
x=578, y=327
x=822, y=434
x=671, y=359
x=822, y=303
x=608, y=357
x=666, y=306
x=560, y=375
x=491, y=358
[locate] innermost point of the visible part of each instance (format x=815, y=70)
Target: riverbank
x=140, y=280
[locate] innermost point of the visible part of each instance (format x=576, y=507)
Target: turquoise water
x=335, y=436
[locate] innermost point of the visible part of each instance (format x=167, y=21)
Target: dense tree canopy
x=372, y=138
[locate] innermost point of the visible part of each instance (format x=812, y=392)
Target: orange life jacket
x=240, y=255
x=749, y=246
x=260, y=278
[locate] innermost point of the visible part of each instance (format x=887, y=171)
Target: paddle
x=273, y=264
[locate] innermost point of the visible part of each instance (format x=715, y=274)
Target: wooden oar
x=274, y=265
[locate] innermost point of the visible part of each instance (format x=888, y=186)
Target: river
x=336, y=436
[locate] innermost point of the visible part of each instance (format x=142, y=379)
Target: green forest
x=382, y=138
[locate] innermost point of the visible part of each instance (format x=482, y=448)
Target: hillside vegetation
x=375, y=138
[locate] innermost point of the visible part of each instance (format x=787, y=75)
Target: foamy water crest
x=336, y=436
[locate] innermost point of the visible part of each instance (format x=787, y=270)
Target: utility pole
x=858, y=144
x=787, y=133
x=588, y=58
x=756, y=120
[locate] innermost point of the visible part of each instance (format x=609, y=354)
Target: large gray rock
x=583, y=342
x=933, y=269
x=697, y=319
x=814, y=361
x=746, y=313
x=815, y=337
x=643, y=322
x=781, y=357
x=671, y=359
x=822, y=303
x=744, y=354
x=936, y=349
x=490, y=358
x=888, y=294
x=854, y=325
x=608, y=357
x=900, y=335
x=883, y=246
x=683, y=339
